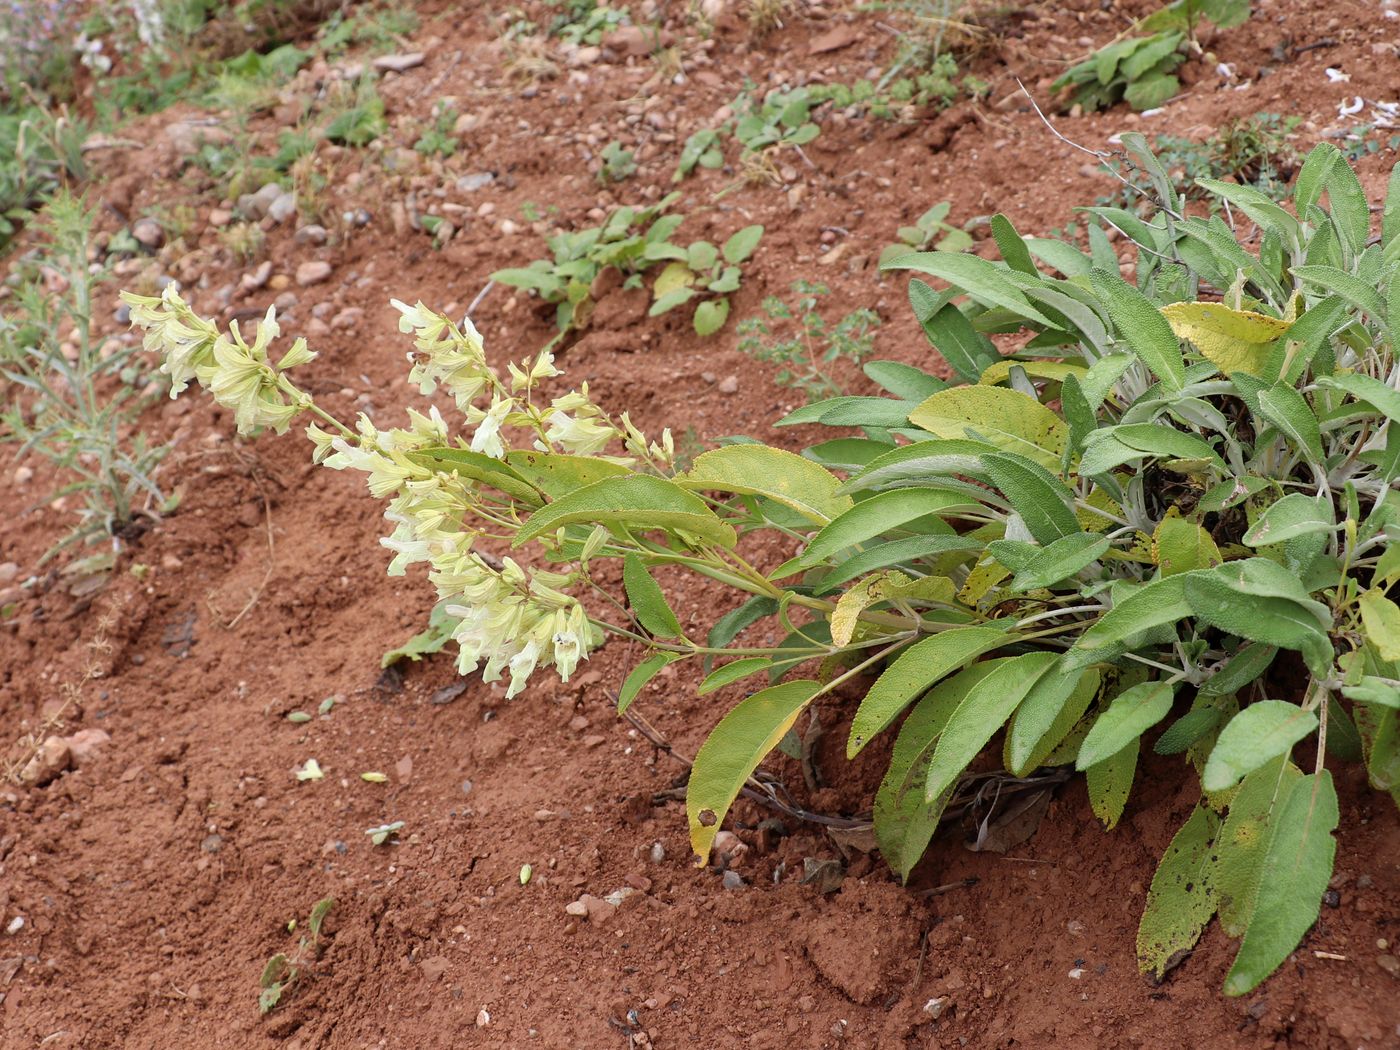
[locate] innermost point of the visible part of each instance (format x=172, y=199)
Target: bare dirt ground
x=157, y=877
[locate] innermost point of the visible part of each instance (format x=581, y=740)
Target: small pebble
x=314, y=272
x=729, y=385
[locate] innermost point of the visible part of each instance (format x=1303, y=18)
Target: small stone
x=466, y=787
x=658, y=853
x=148, y=233
x=9, y=571
x=729, y=385
x=220, y=217
x=1390, y=964
x=935, y=1007
x=16, y=924
x=348, y=318
x=252, y=281
x=212, y=843
x=283, y=208
x=399, y=63
x=578, y=723
x=314, y=272
x=285, y=302
x=83, y=744
x=732, y=880
x=788, y=173
x=52, y=758
x=477, y=180
x=509, y=228
x=311, y=233
x=594, y=740
x=256, y=205
x=1332, y=899
x=483, y=1018
x=598, y=910
x=577, y=909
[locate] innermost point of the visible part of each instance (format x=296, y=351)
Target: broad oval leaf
x=1005, y=418
x=742, y=244
x=1161, y=602
x=1232, y=340
x=1260, y=733
x=785, y=477
x=733, y=750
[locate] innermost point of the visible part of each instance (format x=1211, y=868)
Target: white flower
x=521, y=665
x=487, y=439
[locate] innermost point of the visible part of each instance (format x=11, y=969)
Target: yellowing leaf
x=1179, y=545
x=1054, y=371
x=674, y=276
x=781, y=476
x=1381, y=618
x=1232, y=340
x=882, y=587
x=1008, y=419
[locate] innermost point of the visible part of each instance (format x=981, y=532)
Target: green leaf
x=1181, y=899
x=1151, y=91
x=269, y=997
x=742, y=244
x=881, y=514
x=1012, y=248
x=1384, y=398
x=710, y=316
x=319, y=911
x=1380, y=617
x=981, y=713
x=431, y=639
x=1008, y=419
x=557, y=474
x=1259, y=734
x=949, y=332
x=1158, y=603
x=732, y=672
x=648, y=602
x=1050, y=710
x=1142, y=326
x=1062, y=558
x=904, y=820
x=729, y=626
x=782, y=476
x=1241, y=598
x=1186, y=730
x=1361, y=294
x=1243, y=839
x=1110, y=781
x=1042, y=500
x=634, y=501
x=977, y=277
x=643, y=673
x=1285, y=408
x=668, y=301
x=1296, y=514
x=905, y=381
x=731, y=753
x=895, y=552
x=1182, y=546
x=1132, y=713
x=478, y=467
x=1292, y=878
x=913, y=671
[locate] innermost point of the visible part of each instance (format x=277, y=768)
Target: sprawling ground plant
x=1171, y=504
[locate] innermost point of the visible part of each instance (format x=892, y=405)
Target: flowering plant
x=1189, y=507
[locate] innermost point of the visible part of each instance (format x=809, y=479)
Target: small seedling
x=617, y=164
x=526, y=871
x=815, y=344
x=378, y=836
x=931, y=232
x=373, y=778
x=702, y=149
x=701, y=270
x=298, y=717
x=311, y=771
x=438, y=140
x=282, y=971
